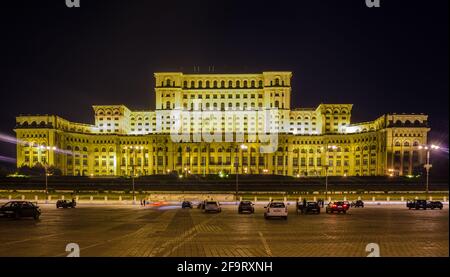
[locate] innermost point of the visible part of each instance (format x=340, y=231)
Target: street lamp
x=133, y=169
x=243, y=147
x=327, y=165
x=46, y=165
x=428, y=166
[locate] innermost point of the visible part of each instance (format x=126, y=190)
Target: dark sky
x=61, y=61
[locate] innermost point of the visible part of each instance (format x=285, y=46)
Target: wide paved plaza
x=171, y=231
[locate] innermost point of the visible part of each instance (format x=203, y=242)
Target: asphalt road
x=123, y=231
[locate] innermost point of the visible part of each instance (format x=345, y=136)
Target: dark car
x=18, y=209
x=416, y=204
x=435, y=205
x=65, y=204
x=309, y=208
x=357, y=204
x=246, y=206
x=186, y=204
x=337, y=206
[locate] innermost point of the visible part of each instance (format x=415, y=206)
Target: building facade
x=220, y=123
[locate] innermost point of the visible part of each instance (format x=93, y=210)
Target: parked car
x=65, y=204
x=246, y=206
x=357, y=204
x=434, y=205
x=337, y=206
x=416, y=204
x=186, y=204
x=309, y=207
x=18, y=209
x=276, y=209
x=212, y=206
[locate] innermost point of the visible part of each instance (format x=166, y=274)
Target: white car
x=212, y=206
x=276, y=209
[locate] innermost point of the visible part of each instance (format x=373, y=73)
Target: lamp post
x=428, y=166
x=326, y=181
x=133, y=165
x=46, y=165
x=243, y=147
x=327, y=165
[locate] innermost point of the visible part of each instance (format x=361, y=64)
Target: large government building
x=220, y=124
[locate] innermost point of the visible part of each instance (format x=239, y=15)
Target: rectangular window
x=303, y=161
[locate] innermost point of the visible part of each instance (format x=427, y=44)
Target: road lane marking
x=180, y=240
x=30, y=239
x=265, y=244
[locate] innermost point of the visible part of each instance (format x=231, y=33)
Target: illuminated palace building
x=230, y=108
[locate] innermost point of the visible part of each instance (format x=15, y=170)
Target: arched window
x=222, y=84
x=168, y=105
x=192, y=84
x=215, y=84
x=397, y=143
x=185, y=84
x=245, y=84
x=260, y=83
x=200, y=84
x=168, y=83
x=230, y=84
x=406, y=143
x=277, y=103
x=238, y=84
x=253, y=83
x=207, y=84
x=85, y=149
x=277, y=82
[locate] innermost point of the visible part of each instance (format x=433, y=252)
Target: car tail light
x=345, y=205
x=334, y=205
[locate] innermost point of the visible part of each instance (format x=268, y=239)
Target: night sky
x=56, y=60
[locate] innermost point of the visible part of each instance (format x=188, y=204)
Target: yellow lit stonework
x=123, y=141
